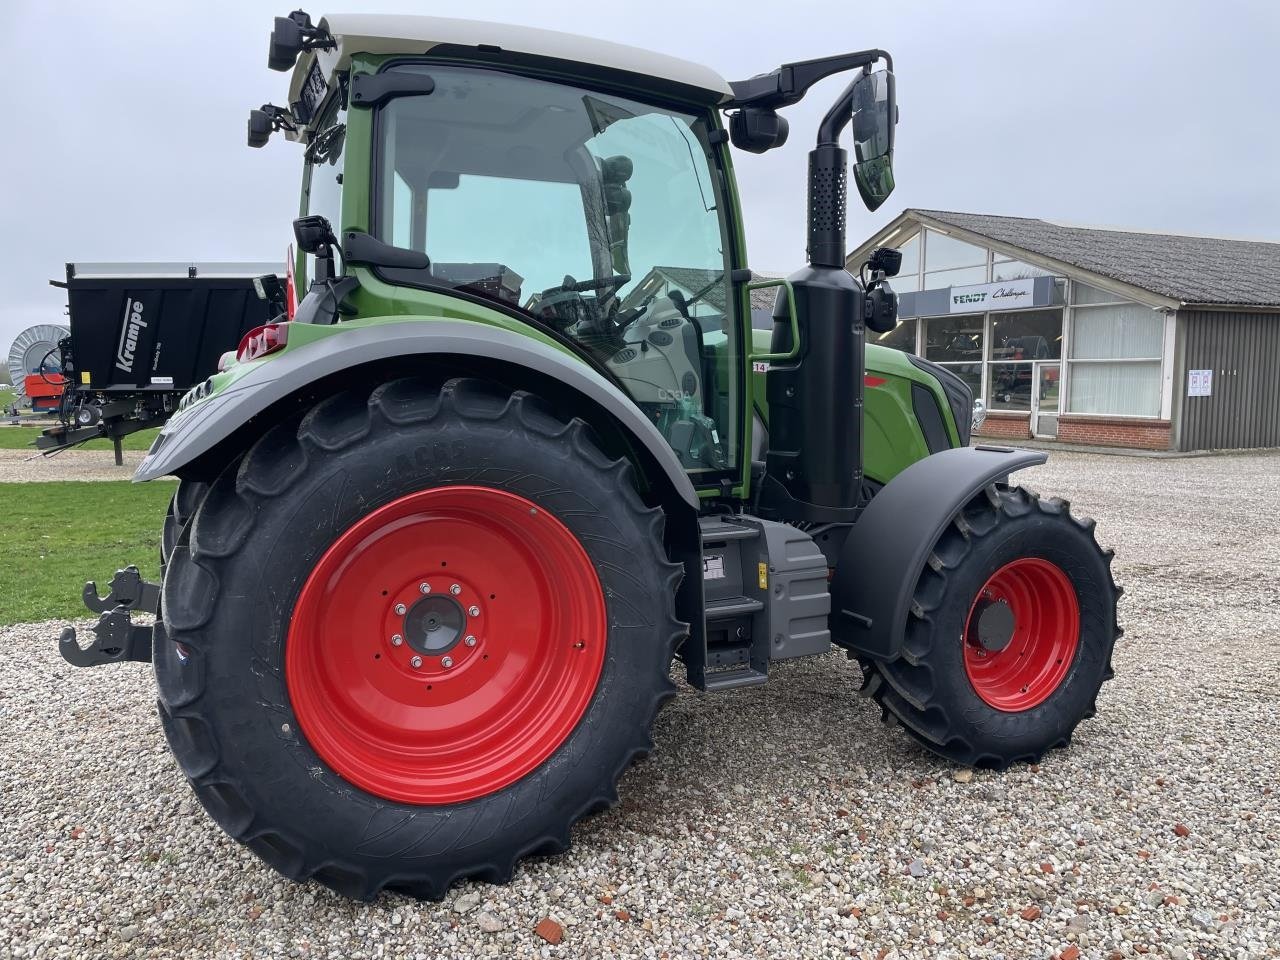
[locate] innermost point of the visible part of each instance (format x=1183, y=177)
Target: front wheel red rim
x=446, y=645
x=1021, y=634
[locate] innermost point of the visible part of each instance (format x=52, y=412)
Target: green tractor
x=443, y=529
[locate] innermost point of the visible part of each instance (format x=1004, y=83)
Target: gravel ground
x=778, y=821
x=25, y=466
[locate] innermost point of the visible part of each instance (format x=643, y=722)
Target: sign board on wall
x=1199, y=383
x=981, y=297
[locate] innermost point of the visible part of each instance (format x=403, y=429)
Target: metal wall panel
x=1243, y=351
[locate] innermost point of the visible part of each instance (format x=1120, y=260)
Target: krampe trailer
x=442, y=531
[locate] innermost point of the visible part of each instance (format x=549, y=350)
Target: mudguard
x=199, y=428
x=887, y=549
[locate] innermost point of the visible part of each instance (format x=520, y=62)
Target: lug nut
x=455, y=589
x=446, y=662
x=416, y=662
x=400, y=609
x=424, y=587
x=470, y=641
x=473, y=611
x=396, y=639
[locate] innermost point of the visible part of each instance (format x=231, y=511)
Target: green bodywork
x=892, y=437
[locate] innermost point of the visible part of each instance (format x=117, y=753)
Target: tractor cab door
x=600, y=216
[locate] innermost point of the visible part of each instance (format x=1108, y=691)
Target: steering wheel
x=586, y=286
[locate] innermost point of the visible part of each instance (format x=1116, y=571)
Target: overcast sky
x=126, y=121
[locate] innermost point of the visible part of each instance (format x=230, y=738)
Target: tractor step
x=734, y=679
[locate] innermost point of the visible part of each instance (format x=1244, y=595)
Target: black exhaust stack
x=813, y=470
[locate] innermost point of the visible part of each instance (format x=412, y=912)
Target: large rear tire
x=415, y=636
x=1010, y=634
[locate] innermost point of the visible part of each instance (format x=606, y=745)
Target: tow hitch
x=116, y=637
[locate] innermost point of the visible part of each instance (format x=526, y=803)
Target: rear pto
x=440, y=535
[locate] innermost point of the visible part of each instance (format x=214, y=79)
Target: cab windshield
x=601, y=216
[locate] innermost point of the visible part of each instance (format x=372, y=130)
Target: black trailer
x=143, y=334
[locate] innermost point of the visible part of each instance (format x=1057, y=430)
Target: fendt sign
x=1006, y=295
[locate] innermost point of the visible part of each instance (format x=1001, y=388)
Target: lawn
x=55, y=536
x=6, y=398
x=19, y=438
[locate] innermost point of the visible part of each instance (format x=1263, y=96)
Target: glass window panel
x=1017, y=270
x=955, y=278
x=1010, y=386
x=1026, y=335
x=1122, y=389
x=1083, y=293
x=954, y=339
x=970, y=373
x=908, y=283
x=1124, y=331
x=902, y=337
x=910, y=250
x=942, y=252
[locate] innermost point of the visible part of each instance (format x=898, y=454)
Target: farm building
x=1095, y=336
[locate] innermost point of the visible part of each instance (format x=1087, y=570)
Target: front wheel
x=1010, y=634
x=415, y=637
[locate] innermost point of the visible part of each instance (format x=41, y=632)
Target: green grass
x=19, y=438
x=6, y=397
x=55, y=536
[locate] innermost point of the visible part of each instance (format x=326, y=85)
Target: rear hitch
x=116, y=637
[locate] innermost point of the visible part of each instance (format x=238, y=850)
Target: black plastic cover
x=881, y=561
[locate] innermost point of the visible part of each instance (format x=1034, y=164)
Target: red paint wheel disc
x=500, y=607
x=1046, y=633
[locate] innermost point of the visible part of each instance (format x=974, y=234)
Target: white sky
x=126, y=121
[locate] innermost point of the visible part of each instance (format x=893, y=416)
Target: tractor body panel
x=886, y=550
x=208, y=417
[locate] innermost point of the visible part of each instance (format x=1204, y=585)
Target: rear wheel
x=1010, y=634
x=415, y=637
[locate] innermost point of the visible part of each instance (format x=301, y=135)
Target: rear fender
x=885, y=553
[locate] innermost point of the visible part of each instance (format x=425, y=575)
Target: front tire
x=1010, y=634
x=415, y=637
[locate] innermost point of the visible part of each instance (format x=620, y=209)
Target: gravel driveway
x=25, y=466
x=779, y=821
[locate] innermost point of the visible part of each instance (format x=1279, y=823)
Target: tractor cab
x=588, y=198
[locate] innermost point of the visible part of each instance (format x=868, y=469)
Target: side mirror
x=757, y=129
x=260, y=127
x=875, y=114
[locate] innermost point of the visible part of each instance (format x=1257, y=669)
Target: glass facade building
x=1034, y=343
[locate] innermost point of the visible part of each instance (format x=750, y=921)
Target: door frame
x=1037, y=374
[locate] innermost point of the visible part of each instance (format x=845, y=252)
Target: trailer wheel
x=415, y=637
x=1010, y=634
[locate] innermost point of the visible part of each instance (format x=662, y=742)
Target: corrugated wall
x=1243, y=351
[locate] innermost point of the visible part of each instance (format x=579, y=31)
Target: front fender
x=206, y=423
x=888, y=547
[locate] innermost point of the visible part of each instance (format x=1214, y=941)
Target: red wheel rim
x=1041, y=638
x=446, y=645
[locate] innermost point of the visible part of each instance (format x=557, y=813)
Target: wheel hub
x=1021, y=634
x=434, y=624
x=992, y=627
x=446, y=645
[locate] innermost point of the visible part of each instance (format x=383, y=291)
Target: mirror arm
x=791, y=81
x=840, y=114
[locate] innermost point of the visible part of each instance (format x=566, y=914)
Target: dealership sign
x=1006, y=295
